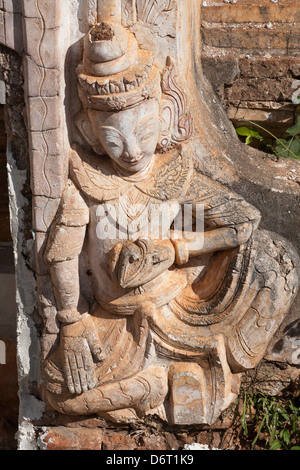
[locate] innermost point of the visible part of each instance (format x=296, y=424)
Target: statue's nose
x=132, y=151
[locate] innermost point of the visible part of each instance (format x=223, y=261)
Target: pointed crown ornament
x=115, y=74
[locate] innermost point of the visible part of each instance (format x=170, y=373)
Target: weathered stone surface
x=263, y=67
x=188, y=393
x=66, y=439
x=259, y=38
x=288, y=13
x=255, y=44
x=197, y=347
x=160, y=322
x=253, y=89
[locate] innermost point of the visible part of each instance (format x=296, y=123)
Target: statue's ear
x=84, y=126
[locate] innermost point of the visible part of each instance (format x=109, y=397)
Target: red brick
x=64, y=438
x=218, y=3
x=257, y=89
x=153, y=442
x=72, y=439
x=252, y=13
x=249, y=38
x=275, y=67
x=118, y=441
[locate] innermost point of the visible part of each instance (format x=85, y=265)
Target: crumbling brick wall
x=251, y=56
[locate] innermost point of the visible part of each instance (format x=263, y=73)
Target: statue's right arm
x=64, y=246
x=79, y=342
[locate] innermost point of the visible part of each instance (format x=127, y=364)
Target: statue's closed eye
x=145, y=128
x=112, y=137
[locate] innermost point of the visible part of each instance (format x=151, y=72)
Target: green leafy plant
x=288, y=147
x=272, y=420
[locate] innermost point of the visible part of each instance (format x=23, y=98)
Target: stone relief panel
x=129, y=13
x=156, y=286
x=44, y=64
x=149, y=11
x=186, y=291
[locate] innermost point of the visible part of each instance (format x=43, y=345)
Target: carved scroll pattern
x=128, y=12
x=177, y=123
x=149, y=10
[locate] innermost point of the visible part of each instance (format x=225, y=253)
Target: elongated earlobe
x=85, y=128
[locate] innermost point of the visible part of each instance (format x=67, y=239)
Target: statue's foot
x=142, y=393
x=124, y=416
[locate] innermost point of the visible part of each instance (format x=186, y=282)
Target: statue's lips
x=134, y=162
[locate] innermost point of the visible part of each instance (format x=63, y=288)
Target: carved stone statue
x=176, y=315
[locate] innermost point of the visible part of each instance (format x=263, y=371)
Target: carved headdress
x=115, y=74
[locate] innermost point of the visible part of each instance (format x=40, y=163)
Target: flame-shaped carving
x=149, y=10
x=177, y=123
x=129, y=12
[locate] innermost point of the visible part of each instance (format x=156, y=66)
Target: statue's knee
x=276, y=280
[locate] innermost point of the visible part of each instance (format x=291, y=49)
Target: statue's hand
x=133, y=264
x=79, y=348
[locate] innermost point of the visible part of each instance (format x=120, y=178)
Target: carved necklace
x=136, y=177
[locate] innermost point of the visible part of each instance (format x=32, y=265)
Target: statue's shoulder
x=170, y=177
x=93, y=175
x=176, y=176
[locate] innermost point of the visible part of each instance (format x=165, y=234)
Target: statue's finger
x=75, y=375
x=82, y=372
x=96, y=346
x=89, y=368
x=68, y=376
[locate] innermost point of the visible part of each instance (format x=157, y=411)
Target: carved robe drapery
x=214, y=314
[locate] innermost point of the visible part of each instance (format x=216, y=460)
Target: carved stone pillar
x=125, y=133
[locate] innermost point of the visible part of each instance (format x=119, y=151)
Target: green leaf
x=285, y=435
x=258, y=432
x=244, y=131
x=256, y=135
x=295, y=147
x=285, y=415
x=294, y=130
x=276, y=445
x=284, y=149
x=295, y=448
x=249, y=133
x=282, y=144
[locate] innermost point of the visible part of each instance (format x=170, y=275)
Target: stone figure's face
x=129, y=137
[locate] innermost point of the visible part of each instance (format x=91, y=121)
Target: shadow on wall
x=9, y=402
